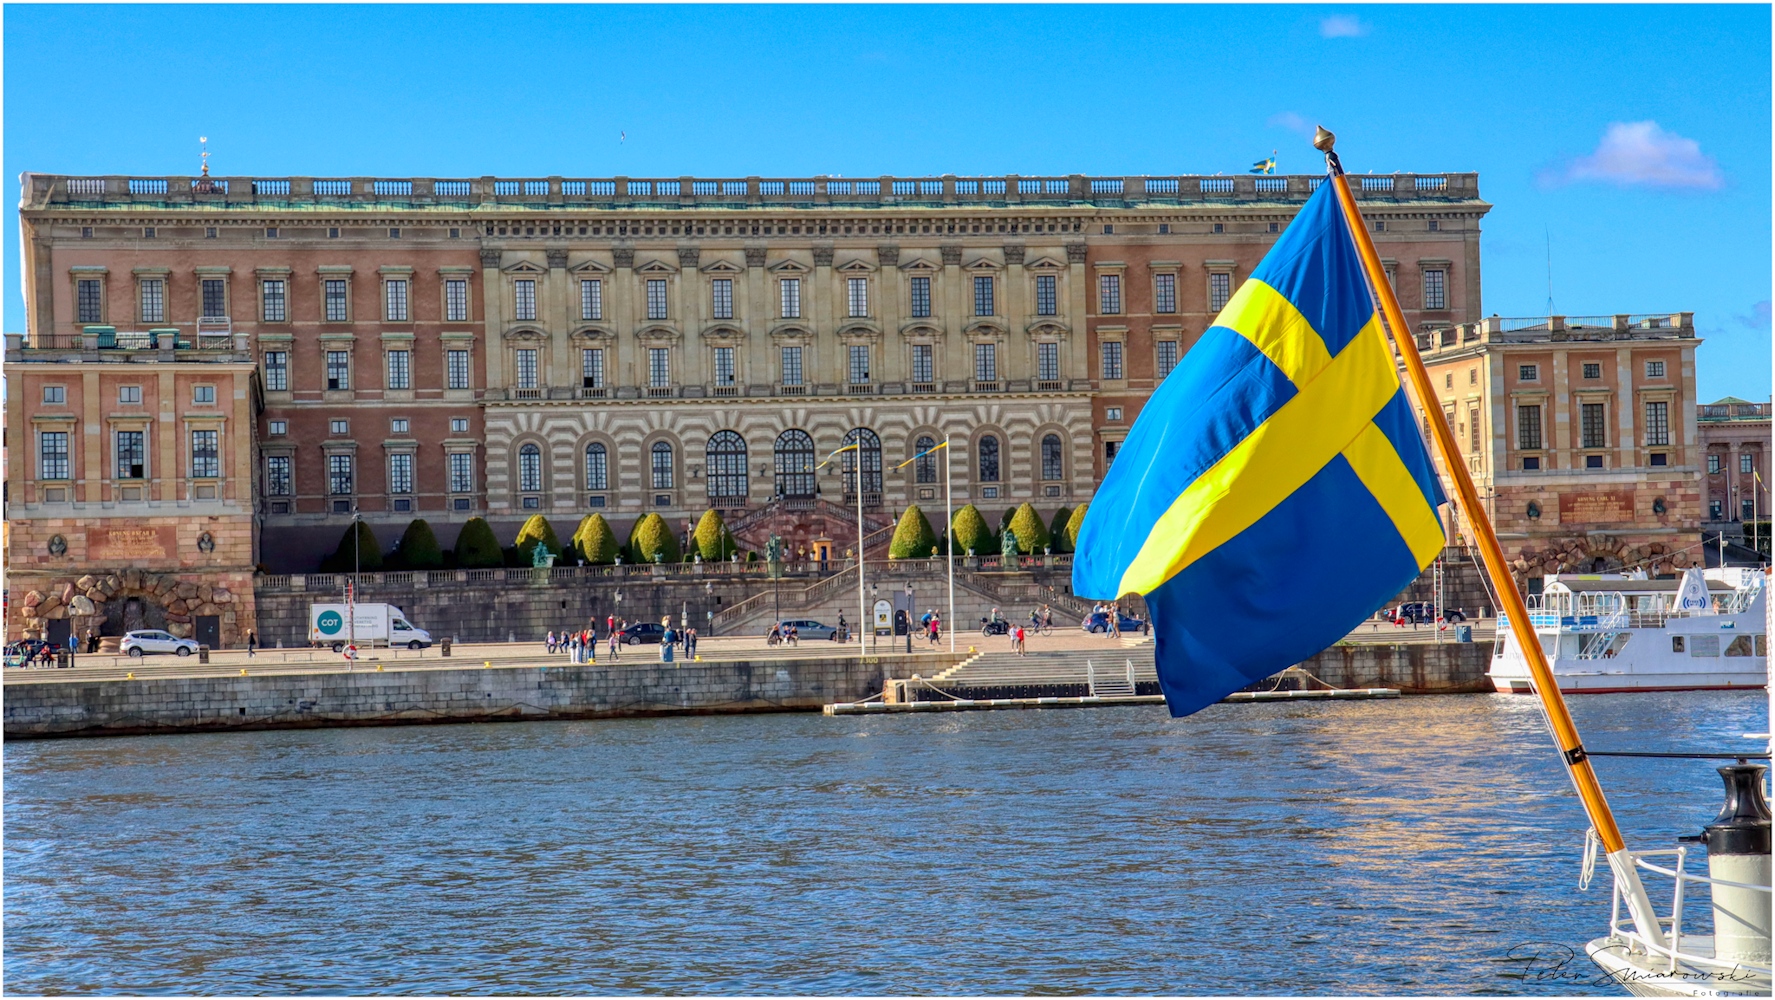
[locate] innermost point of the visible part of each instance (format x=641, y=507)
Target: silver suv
x=152, y=640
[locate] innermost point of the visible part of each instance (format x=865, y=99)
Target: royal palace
x=219, y=372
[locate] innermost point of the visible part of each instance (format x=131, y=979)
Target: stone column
x=493, y=308
x=169, y=475
x=959, y=365
x=94, y=484
x=1078, y=362
x=1559, y=413
x=691, y=299
x=893, y=365
x=621, y=365
x=827, y=366
x=558, y=321
x=1016, y=312
x=1627, y=442
x=760, y=312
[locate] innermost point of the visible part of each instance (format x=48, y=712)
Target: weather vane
x=205, y=154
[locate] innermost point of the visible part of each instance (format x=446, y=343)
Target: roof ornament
x=203, y=184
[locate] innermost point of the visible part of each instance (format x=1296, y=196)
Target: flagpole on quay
x=1559, y=719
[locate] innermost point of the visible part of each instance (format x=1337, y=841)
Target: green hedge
x=971, y=533
x=713, y=541
x=418, y=547
x=536, y=529
x=1057, y=530
x=594, y=541
x=1073, y=524
x=366, y=555
x=651, y=537
x=476, y=548
x=913, y=536
x=1031, y=533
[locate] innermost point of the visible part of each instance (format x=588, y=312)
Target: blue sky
x=1635, y=138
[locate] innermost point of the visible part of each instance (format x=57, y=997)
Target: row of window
x=342, y=474
x=1589, y=369
x=129, y=395
x=271, y=232
x=1747, y=463
x=458, y=369
x=1747, y=511
x=274, y=298
x=1592, y=426
x=728, y=471
x=131, y=451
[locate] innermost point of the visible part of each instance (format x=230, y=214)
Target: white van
x=372, y=625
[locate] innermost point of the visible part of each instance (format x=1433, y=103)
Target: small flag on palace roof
x=1265, y=166
x=1275, y=490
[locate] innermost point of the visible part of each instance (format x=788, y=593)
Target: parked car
x=642, y=633
x=807, y=628
x=151, y=640
x=1423, y=613
x=1099, y=622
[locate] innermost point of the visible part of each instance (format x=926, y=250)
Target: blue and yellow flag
x=1275, y=490
x=1266, y=166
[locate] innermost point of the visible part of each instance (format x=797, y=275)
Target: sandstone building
x=1581, y=435
x=1735, y=446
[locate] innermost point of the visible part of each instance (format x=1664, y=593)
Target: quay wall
x=48, y=708
x=1413, y=668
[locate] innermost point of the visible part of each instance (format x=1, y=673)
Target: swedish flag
x=1265, y=166
x=1275, y=490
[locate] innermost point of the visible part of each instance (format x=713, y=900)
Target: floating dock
x=998, y=704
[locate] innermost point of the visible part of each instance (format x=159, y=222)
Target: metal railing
x=1621, y=927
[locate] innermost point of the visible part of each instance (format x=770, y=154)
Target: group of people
x=783, y=632
x=668, y=642
x=580, y=646
x=932, y=624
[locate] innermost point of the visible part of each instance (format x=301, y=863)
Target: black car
x=1423, y=613
x=642, y=633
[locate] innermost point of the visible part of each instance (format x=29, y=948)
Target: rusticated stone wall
x=173, y=601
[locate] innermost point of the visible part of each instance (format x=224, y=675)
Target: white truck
x=371, y=625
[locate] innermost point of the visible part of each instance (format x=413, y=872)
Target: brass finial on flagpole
x=1323, y=140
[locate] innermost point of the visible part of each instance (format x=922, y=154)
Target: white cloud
x=1642, y=154
x=1290, y=121
x=1342, y=26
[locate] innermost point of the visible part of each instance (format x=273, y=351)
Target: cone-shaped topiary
x=1031, y=533
x=476, y=547
x=913, y=536
x=713, y=541
x=594, y=541
x=537, y=529
x=971, y=533
x=365, y=555
x=418, y=547
x=1073, y=524
x=651, y=537
x=1057, y=530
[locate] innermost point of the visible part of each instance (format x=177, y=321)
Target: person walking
x=252, y=642
x=614, y=655
x=690, y=643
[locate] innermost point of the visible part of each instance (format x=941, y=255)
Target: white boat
x=1615, y=633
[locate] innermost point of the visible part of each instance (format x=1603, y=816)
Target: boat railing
x=1621, y=926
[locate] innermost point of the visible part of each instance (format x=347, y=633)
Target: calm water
x=1375, y=847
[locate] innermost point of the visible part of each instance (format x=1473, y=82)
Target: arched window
x=926, y=466
x=726, y=461
x=795, y=465
x=662, y=465
x=529, y=469
x=989, y=459
x=1053, y=463
x=597, y=467
x=869, y=451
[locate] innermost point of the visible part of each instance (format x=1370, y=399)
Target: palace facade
x=492, y=347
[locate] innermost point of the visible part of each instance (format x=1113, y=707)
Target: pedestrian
x=551, y=640
x=666, y=642
x=690, y=649
x=613, y=644
x=609, y=623
x=1115, y=620
x=252, y=642
x=1019, y=642
x=73, y=642
x=794, y=635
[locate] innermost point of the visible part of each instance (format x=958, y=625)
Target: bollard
x=486, y=664
x=243, y=671
x=378, y=668
x=1738, y=851
x=203, y=654
x=130, y=676
x=444, y=648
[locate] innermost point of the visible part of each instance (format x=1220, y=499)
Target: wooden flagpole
x=1565, y=732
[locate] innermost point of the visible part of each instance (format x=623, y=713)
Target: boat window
x=1704, y=645
x=1676, y=643
x=1740, y=646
